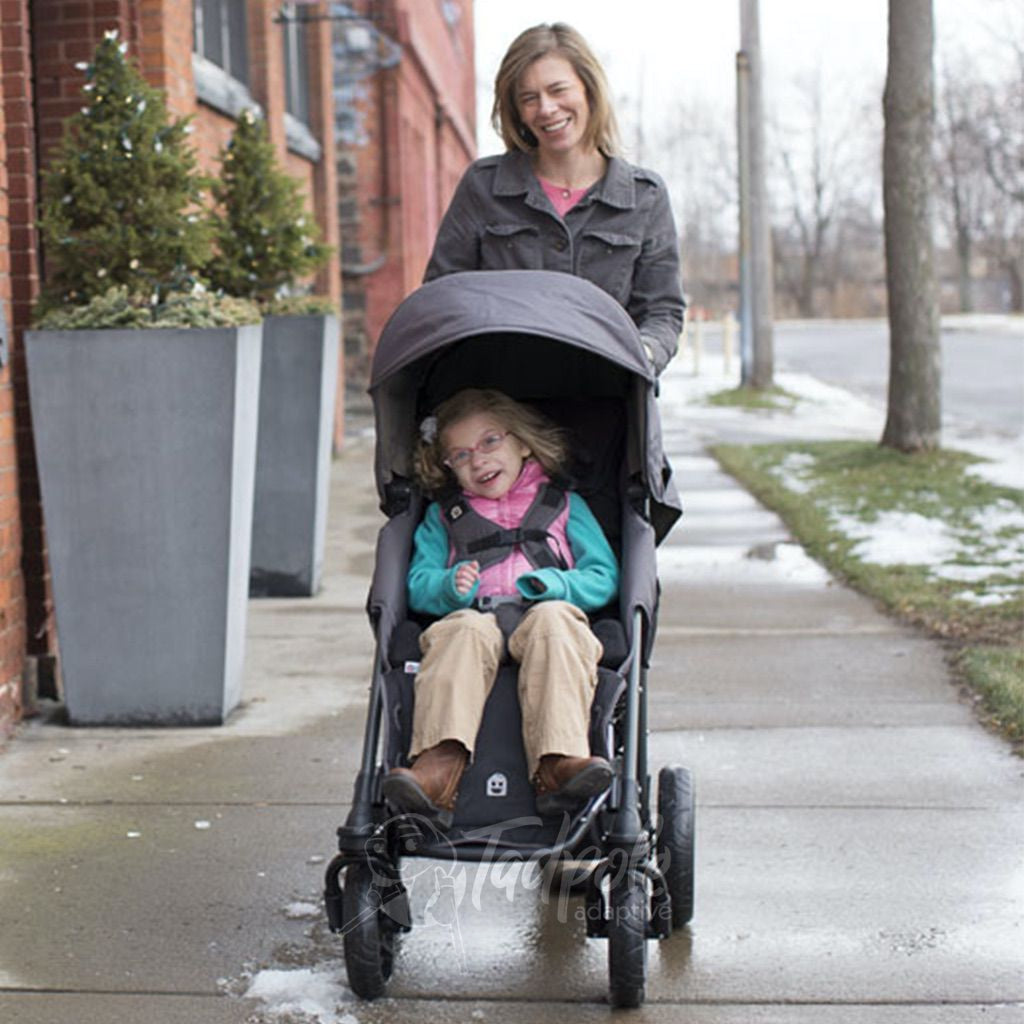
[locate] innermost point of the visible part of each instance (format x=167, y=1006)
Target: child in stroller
x=504, y=538
x=560, y=345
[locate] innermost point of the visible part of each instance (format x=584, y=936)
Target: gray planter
x=297, y=395
x=146, y=444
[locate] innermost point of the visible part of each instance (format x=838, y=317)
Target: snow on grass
x=899, y=538
x=983, y=553
x=794, y=472
x=307, y=995
x=990, y=548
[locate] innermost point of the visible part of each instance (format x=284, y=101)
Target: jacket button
x=560, y=244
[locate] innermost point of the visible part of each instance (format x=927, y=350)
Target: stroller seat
x=495, y=793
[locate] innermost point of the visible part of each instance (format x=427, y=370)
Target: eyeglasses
x=459, y=457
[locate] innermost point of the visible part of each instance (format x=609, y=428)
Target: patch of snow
x=998, y=595
x=899, y=538
x=1005, y=457
x=975, y=573
x=1004, y=515
x=792, y=472
x=298, y=910
x=313, y=994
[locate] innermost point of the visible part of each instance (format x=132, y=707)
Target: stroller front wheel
x=368, y=933
x=628, y=906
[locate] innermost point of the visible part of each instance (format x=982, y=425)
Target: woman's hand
x=466, y=575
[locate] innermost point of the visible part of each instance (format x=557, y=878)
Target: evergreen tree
x=263, y=237
x=121, y=198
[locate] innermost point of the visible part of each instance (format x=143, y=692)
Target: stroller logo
x=433, y=894
x=497, y=784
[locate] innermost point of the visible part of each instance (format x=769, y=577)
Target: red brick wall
x=26, y=621
x=12, y=601
x=420, y=123
x=39, y=87
x=64, y=33
x=164, y=51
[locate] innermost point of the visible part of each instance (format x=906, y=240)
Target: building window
x=221, y=35
x=296, y=65
x=294, y=22
x=221, y=58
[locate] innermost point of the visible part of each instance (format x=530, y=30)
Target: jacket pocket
x=607, y=258
x=510, y=247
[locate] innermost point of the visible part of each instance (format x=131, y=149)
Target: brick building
x=406, y=88
x=213, y=58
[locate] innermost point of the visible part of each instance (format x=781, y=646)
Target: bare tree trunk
x=914, y=414
x=963, y=269
x=1015, y=277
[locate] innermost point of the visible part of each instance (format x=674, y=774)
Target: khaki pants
x=557, y=655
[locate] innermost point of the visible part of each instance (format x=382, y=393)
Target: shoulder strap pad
x=475, y=537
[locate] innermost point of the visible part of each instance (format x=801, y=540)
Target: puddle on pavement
x=770, y=563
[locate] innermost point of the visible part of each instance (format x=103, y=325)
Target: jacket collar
x=530, y=478
x=515, y=177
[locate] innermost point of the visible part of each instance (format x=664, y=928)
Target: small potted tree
x=143, y=392
x=265, y=243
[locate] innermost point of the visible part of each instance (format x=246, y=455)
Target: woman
x=560, y=198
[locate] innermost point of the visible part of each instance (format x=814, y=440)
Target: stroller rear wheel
x=629, y=908
x=674, y=843
x=369, y=933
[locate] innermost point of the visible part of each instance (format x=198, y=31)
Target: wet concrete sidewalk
x=860, y=836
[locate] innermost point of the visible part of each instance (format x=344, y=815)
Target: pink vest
x=508, y=511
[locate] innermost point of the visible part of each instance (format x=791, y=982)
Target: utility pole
x=755, y=230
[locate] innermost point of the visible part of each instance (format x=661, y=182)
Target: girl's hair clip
x=428, y=429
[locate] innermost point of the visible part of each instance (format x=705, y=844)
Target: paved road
x=860, y=836
x=982, y=366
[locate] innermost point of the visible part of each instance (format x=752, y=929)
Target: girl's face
x=552, y=102
x=484, y=456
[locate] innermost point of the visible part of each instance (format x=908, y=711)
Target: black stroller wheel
x=629, y=907
x=369, y=933
x=675, y=839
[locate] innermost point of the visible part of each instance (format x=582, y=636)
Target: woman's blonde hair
x=546, y=441
x=602, y=131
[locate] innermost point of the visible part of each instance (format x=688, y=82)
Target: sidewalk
x=860, y=835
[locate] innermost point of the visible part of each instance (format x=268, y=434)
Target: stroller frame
x=640, y=885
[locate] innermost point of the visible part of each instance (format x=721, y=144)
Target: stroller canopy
x=533, y=333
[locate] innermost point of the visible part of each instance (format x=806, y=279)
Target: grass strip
x=934, y=543
x=754, y=399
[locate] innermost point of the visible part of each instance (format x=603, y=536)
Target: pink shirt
x=508, y=511
x=562, y=199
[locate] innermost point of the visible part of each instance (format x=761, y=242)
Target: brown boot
x=564, y=782
x=431, y=785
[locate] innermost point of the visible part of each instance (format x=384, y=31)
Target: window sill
x=301, y=140
x=217, y=89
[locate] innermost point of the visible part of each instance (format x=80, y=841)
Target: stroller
x=564, y=346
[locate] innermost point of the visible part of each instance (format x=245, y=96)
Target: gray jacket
x=621, y=236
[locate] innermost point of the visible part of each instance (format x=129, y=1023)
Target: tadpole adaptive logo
x=439, y=886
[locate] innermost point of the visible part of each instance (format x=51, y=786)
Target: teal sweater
x=590, y=584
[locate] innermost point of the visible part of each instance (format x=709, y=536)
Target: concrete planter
x=297, y=394
x=146, y=444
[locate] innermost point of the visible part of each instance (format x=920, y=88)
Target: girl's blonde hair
x=602, y=131
x=546, y=441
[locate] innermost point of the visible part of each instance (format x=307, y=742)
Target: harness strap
x=475, y=536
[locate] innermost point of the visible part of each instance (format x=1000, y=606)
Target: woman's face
x=551, y=100
x=485, y=458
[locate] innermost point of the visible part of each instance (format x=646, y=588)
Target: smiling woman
x=560, y=198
